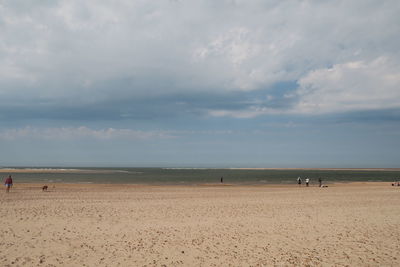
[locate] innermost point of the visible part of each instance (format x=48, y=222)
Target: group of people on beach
x=307, y=181
x=8, y=182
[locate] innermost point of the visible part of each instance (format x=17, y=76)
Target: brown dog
x=44, y=188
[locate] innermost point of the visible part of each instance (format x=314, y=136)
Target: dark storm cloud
x=142, y=107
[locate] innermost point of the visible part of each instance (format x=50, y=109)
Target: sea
x=193, y=176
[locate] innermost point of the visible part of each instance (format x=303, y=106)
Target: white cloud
x=251, y=112
x=351, y=86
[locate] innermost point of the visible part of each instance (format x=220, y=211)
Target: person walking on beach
x=307, y=181
x=299, y=181
x=222, y=179
x=8, y=183
x=320, y=182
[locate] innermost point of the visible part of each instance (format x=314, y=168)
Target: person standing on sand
x=307, y=181
x=8, y=183
x=299, y=181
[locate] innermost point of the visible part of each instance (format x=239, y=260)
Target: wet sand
x=354, y=224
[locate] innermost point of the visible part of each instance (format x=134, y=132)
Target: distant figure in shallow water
x=307, y=181
x=222, y=179
x=299, y=181
x=320, y=182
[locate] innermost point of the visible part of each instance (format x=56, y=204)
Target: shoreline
x=25, y=185
x=55, y=170
x=116, y=170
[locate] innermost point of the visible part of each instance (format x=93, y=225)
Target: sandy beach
x=353, y=224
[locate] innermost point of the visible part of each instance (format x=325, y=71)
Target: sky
x=174, y=83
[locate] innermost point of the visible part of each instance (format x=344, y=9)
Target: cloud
x=135, y=59
x=351, y=86
x=343, y=88
x=104, y=134
x=251, y=112
x=73, y=133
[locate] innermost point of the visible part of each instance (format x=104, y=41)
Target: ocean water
x=197, y=176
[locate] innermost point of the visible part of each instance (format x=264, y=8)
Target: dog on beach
x=44, y=188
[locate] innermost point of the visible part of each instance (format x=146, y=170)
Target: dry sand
x=127, y=225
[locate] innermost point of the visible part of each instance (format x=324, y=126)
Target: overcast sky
x=200, y=83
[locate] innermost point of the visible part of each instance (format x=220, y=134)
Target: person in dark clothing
x=222, y=179
x=8, y=183
x=320, y=182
